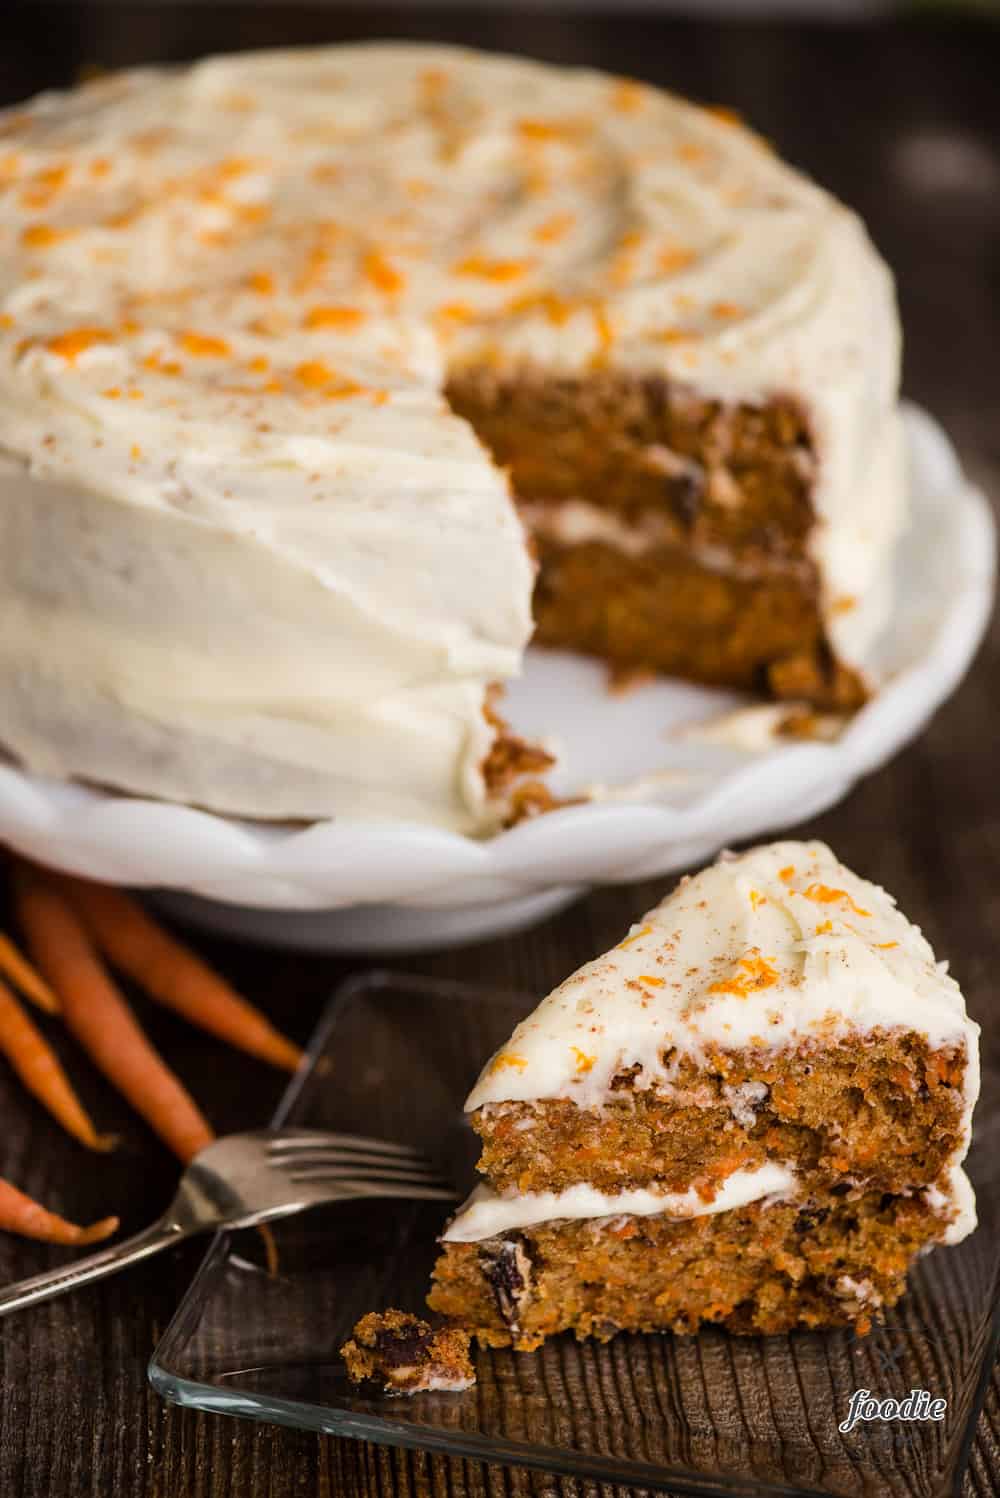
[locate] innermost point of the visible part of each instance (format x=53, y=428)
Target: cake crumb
x=407, y=1355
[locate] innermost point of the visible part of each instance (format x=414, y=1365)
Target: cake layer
x=735, y=476
x=883, y=1108
x=666, y=610
x=252, y=557
x=761, y=1268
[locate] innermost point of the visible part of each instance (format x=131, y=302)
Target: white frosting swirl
x=249, y=556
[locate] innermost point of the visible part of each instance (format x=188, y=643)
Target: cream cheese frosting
x=248, y=555
x=765, y=950
x=486, y=1213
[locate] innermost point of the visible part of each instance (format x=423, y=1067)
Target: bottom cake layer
x=665, y=611
x=757, y=1269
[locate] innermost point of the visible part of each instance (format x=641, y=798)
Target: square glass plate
x=713, y=1414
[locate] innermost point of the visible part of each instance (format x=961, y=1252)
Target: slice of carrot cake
x=752, y=1111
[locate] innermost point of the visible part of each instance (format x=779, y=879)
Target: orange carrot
x=171, y=973
x=20, y=1214
x=31, y=1056
x=99, y=1017
x=23, y=976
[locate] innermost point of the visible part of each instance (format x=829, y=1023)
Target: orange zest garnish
x=824, y=894
x=883, y=946
x=554, y=228
x=787, y=873
x=583, y=1061
x=40, y=236
x=314, y=373
x=70, y=345
x=491, y=270
x=381, y=274
x=506, y=1059
x=674, y=258
x=652, y=981
x=333, y=317
x=824, y=929
x=642, y=931
x=626, y=96
x=757, y=972
x=203, y=346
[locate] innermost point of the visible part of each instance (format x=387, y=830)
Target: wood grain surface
x=902, y=120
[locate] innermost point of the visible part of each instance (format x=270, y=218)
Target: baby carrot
x=20, y=1214
x=171, y=973
x=23, y=976
x=98, y=1015
x=31, y=1056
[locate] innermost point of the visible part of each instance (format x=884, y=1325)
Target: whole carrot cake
x=327, y=377
x=752, y=1111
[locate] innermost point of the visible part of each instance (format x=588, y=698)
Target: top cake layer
x=230, y=297
x=763, y=951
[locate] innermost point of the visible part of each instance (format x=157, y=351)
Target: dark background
x=900, y=117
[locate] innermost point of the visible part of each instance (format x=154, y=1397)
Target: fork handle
x=94, y=1267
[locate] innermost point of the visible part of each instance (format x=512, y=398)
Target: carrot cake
x=752, y=1111
x=326, y=377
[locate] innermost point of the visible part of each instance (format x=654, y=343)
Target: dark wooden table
x=903, y=122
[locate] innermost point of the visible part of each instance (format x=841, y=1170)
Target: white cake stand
x=666, y=800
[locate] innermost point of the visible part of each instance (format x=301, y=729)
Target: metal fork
x=246, y=1179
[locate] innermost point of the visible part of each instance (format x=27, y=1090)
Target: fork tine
x=411, y=1193
x=360, y=1162
x=300, y=1141
x=347, y=1172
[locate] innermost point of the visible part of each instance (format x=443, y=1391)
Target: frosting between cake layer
x=230, y=296
x=486, y=1213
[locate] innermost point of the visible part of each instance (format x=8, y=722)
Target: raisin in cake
x=752, y=1111
x=327, y=376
